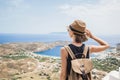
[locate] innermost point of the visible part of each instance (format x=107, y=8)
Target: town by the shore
x=19, y=62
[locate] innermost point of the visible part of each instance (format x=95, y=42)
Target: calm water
x=51, y=52
x=8, y=38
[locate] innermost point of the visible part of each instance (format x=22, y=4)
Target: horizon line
x=59, y=33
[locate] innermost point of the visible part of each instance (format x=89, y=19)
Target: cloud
x=104, y=14
x=12, y=5
x=101, y=8
x=13, y=8
x=16, y=2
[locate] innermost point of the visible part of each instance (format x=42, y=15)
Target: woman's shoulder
x=64, y=52
x=62, y=49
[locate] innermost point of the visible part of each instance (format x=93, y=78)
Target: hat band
x=76, y=30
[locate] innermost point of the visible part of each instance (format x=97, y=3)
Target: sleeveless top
x=78, y=54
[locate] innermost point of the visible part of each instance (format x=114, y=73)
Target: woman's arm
x=103, y=45
x=63, y=63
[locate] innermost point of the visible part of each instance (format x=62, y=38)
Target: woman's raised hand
x=88, y=33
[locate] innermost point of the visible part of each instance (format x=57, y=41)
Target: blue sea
x=55, y=52
x=10, y=38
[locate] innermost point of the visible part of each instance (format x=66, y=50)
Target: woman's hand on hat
x=88, y=33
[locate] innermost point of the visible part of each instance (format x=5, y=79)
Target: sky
x=102, y=17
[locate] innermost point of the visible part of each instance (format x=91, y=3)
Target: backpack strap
x=70, y=52
x=85, y=51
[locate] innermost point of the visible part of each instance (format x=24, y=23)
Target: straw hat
x=78, y=27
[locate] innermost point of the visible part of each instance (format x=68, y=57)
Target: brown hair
x=80, y=38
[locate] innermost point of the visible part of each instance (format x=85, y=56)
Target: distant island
x=62, y=33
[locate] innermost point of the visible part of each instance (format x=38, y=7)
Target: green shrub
x=107, y=64
x=15, y=57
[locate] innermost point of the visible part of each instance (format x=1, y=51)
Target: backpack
x=80, y=67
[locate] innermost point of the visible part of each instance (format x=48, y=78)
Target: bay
x=55, y=52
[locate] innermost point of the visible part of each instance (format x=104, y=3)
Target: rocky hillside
x=44, y=68
x=18, y=62
x=9, y=67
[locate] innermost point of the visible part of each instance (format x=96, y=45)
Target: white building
x=113, y=75
x=118, y=47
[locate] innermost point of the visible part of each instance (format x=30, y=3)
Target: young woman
x=79, y=34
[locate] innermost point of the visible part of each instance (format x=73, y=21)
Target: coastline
x=18, y=61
